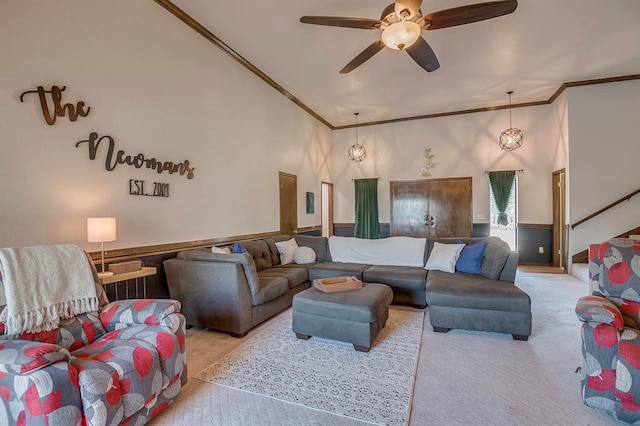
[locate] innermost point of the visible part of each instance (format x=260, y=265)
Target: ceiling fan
x=402, y=22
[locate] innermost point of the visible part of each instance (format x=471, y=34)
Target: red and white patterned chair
x=611, y=329
x=120, y=365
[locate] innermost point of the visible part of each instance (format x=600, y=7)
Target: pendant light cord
x=356, y=114
x=510, y=126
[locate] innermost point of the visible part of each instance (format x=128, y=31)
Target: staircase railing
x=583, y=256
x=604, y=209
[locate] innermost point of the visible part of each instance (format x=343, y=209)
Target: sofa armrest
x=125, y=313
x=214, y=294
x=23, y=357
x=597, y=309
x=510, y=266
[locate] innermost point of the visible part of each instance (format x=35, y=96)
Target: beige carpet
x=463, y=378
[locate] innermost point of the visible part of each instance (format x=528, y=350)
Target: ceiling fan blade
x=424, y=56
x=337, y=21
x=471, y=13
x=412, y=6
x=363, y=56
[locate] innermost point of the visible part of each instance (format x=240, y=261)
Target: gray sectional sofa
x=235, y=292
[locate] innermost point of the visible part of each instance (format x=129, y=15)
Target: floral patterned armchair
x=122, y=364
x=611, y=329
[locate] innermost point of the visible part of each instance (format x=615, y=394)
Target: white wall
x=604, y=156
x=464, y=145
x=157, y=88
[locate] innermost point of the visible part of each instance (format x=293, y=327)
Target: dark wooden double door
x=432, y=208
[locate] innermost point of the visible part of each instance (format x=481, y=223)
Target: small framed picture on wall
x=310, y=203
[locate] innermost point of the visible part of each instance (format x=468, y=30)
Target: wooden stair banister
x=604, y=209
x=583, y=256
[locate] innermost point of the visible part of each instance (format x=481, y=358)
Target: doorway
x=288, y=204
x=326, y=209
x=559, y=258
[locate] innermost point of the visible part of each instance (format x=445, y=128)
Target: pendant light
x=511, y=139
x=357, y=152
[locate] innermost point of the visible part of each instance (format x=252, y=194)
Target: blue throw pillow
x=470, y=259
x=238, y=248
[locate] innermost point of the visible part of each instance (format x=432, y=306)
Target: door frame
x=559, y=244
x=326, y=208
x=285, y=203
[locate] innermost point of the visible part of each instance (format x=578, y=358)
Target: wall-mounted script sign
x=57, y=109
x=53, y=107
x=112, y=159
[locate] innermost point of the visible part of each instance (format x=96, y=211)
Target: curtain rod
x=352, y=180
x=517, y=171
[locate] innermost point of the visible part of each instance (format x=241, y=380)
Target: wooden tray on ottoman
x=335, y=284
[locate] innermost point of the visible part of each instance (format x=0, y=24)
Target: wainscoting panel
x=348, y=230
x=530, y=238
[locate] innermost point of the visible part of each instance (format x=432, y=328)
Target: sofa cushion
x=275, y=257
x=237, y=248
x=397, y=277
x=294, y=275
x=464, y=290
x=259, y=250
x=220, y=250
x=470, y=259
x=443, y=257
x=304, y=256
x=287, y=250
x=116, y=376
x=270, y=288
x=336, y=269
x=319, y=244
x=495, y=255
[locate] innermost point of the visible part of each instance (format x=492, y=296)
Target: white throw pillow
x=443, y=257
x=304, y=255
x=287, y=250
x=219, y=250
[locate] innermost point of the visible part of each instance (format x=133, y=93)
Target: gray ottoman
x=354, y=316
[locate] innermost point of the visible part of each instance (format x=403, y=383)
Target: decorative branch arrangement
x=428, y=162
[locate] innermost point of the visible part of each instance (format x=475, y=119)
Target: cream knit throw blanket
x=44, y=284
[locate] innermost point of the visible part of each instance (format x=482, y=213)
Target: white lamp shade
x=101, y=229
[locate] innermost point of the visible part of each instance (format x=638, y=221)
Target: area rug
x=327, y=375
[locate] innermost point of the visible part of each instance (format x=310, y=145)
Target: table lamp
x=101, y=230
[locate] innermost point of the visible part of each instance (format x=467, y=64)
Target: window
x=504, y=225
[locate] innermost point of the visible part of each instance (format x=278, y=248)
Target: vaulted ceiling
x=533, y=51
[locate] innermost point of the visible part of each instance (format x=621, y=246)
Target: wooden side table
x=127, y=276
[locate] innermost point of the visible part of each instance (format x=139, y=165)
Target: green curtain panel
x=501, y=184
x=366, y=194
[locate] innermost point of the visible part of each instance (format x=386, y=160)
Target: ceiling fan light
x=401, y=35
x=511, y=139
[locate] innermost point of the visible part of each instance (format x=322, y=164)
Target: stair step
x=580, y=271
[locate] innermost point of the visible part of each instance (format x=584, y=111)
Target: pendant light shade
x=357, y=152
x=511, y=139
